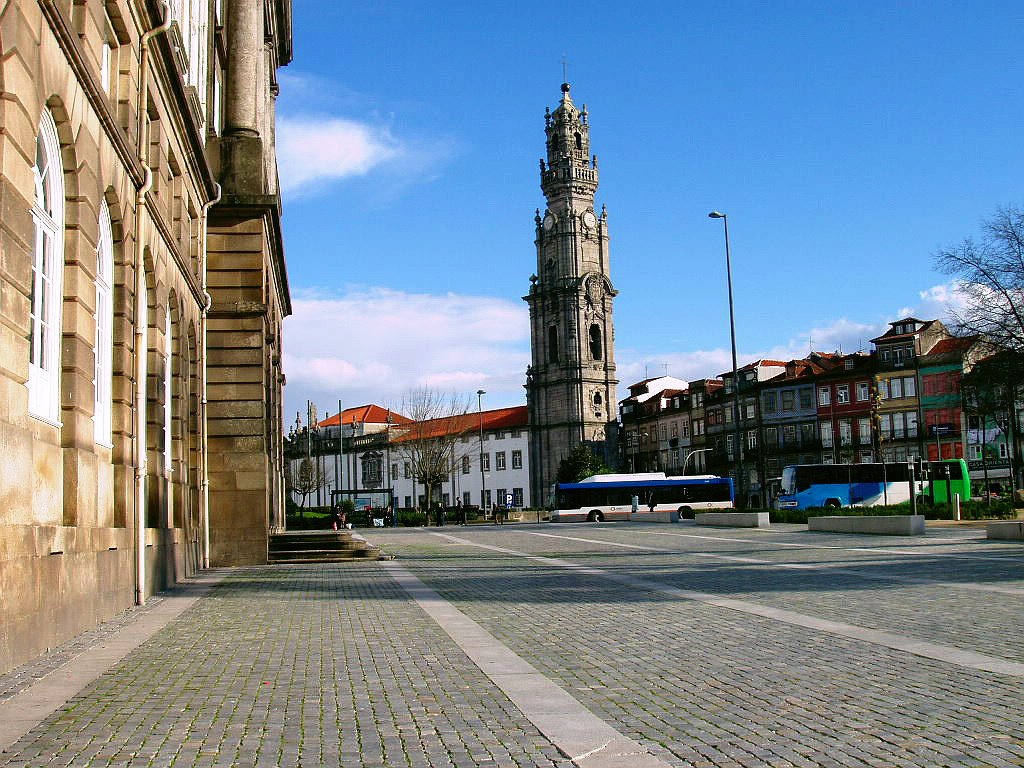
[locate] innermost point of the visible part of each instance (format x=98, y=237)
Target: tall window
x=826, y=434
x=553, y=343
x=47, y=261
x=517, y=459
x=595, y=341
x=104, y=326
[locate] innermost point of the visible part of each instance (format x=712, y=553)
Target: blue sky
x=847, y=143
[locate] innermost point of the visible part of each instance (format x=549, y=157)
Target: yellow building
x=142, y=289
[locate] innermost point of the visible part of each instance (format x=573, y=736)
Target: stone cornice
x=94, y=92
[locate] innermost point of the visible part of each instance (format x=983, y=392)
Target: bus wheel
x=686, y=513
x=595, y=516
x=833, y=504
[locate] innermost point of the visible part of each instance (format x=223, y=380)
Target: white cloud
x=843, y=335
x=373, y=344
x=316, y=150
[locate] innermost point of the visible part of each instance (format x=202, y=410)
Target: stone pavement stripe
x=863, y=574
x=30, y=706
x=944, y=653
x=587, y=740
x=871, y=550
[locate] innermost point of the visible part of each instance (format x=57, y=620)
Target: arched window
x=47, y=264
x=596, y=348
x=553, y=343
x=579, y=142
x=104, y=327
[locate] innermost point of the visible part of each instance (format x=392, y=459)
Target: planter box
x=1011, y=529
x=884, y=525
x=733, y=519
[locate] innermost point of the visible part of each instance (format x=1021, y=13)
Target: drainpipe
x=204, y=465
x=141, y=314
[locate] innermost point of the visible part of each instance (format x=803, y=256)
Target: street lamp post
x=483, y=485
x=735, y=377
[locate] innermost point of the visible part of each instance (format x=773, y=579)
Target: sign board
x=937, y=430
x=508, y=499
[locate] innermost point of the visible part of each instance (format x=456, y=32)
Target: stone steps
x=319, y=547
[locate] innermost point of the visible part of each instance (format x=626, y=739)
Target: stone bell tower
x=570, y=384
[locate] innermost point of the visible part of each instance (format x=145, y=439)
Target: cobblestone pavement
x=335, y=665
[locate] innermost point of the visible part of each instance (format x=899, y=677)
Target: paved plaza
x=598, y=646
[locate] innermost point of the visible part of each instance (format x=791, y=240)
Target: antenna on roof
x=645, y=370
x=664, y=368
x=565, y=69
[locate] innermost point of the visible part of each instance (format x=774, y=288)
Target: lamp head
x=480, y=392
x=716, y=215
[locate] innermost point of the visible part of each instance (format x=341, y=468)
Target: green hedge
x=969, y=510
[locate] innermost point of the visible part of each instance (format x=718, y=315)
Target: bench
x=884, y=525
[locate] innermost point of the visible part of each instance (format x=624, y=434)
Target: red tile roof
x=952, y=345
x=516, y=417
x=365, y=414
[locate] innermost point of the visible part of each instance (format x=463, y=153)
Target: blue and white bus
x=659, y=498
x=806, y=486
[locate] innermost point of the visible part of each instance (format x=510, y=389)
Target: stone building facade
x=140, y=238
x=570, y=387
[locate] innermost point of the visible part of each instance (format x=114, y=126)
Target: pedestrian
x=337, y=517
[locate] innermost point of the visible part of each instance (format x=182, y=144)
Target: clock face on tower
x=549, y=222
x=589, y=220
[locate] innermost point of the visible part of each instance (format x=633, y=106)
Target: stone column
x=245, y=66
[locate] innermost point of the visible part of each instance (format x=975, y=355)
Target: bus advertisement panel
x=807, y=486
x=641, y=496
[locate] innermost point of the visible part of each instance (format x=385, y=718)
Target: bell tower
x=570, y=384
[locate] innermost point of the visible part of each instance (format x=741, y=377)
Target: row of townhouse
x=487, y=459
x=900, y=401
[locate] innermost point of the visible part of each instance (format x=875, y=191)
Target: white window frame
x=826, y=434
x=47, y=275
x=863, y=391
x=499, y=461
x=843, y=394
x=517, y=459
x=824, y=396
x=864, y=426
x=103, y=373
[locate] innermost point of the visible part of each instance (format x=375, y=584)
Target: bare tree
x=989, y=274
x=308, y=478
x=430, y=442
